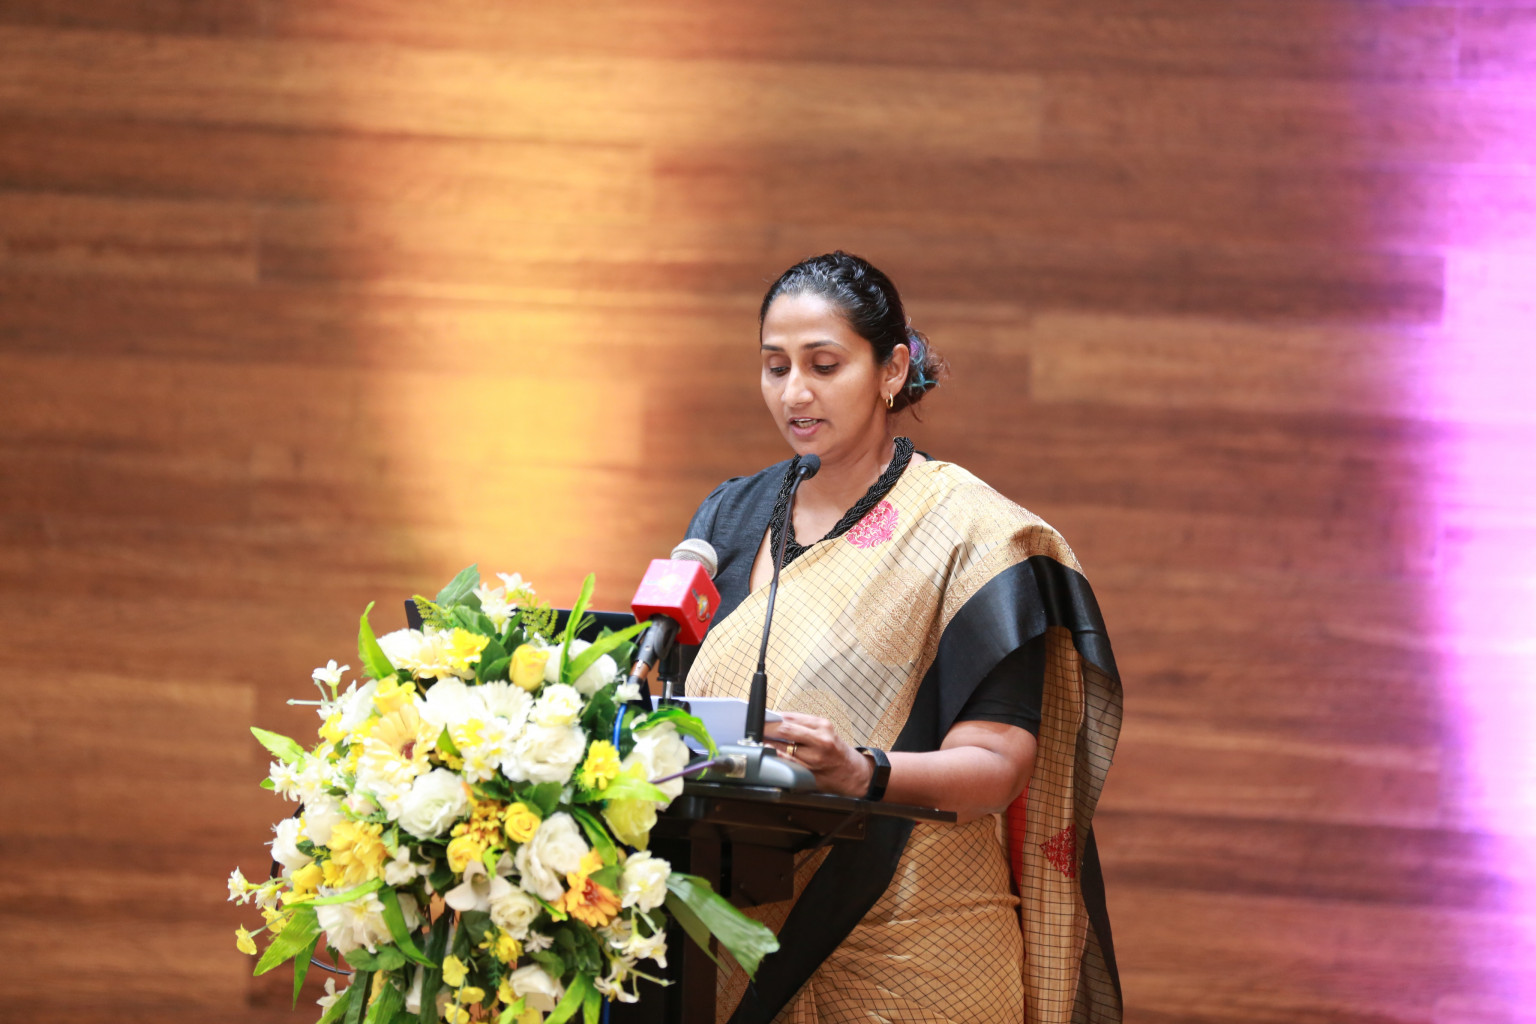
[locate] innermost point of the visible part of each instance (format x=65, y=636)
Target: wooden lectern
x=743, y=841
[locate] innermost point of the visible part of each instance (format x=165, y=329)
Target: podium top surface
x=812, y=801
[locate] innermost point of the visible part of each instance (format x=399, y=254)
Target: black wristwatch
x=882, y=773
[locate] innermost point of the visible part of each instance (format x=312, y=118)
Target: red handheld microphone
x=679, y=597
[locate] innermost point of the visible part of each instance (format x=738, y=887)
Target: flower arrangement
x=474, y=822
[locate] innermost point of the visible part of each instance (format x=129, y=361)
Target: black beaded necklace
x=780, y=519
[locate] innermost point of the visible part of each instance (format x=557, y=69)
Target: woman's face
x=821, y=382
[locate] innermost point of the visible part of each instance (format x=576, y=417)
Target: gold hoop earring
x=890, y=401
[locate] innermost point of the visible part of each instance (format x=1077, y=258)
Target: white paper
x=724, y=717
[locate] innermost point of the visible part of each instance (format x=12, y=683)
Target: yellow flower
x=471, y=995
x=502, y=946
x=530, y=1016
x=455, y=1014
x=306, y=881
x=464, y=649
x=359, y=852
x=276, y=919
x=243, y=941
x=631, y=821
x=601, y=766
x=528, y=664
x=520, y=822
x=331, y=731
x=392, y=695
x=463, y=851
x=454, y=971
x=504, y=992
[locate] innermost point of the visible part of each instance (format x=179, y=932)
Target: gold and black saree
x=887, y=630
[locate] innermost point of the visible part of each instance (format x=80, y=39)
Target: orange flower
x=591, y=904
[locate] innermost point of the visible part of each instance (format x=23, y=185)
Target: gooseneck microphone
x=752, y=762
x=757, y=696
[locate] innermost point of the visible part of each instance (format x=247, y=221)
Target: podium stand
x=743, y=840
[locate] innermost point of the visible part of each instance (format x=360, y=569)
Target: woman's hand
x=980, y=768
x=814, y=742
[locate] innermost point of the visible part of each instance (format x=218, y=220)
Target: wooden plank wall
x=306, y=303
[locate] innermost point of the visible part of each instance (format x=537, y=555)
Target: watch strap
x=881, y=776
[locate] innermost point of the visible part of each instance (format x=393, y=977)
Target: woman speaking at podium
x=933, y=644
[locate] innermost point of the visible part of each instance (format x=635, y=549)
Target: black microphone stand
x=752, y=762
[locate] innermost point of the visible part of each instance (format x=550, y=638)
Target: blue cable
x=618, y=722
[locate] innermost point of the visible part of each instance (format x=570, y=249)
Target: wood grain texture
x=309, y=304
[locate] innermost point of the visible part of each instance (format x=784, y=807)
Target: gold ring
x=790, y=750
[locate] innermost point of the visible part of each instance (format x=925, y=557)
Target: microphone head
x=809, y=466
x=701, y=551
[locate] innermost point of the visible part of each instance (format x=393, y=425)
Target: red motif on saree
x=1061, y=851
x=875, y=528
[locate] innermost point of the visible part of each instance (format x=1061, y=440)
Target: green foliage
x=493, y=654
x=431, y=613
x=605, y=643
x=297, y=935
x=432, y=978
x=630, y=787
x=389, y=1002
x=544, y=797
x=538, y=621
x=461, y=588
x=696, y=905
x=281, y=747
x=387, y=958
x=687, y=725
x=573, y=626
x=335, y=1010
x=596, y=835
x=375, y=662
x=301, y=967
x=394, y=920
x=357, y=996
x=575, y=999
x=346, y=897
x=498, y=671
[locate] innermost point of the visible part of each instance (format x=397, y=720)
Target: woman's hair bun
x=871, y=305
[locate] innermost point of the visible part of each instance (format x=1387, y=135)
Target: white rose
x=597, y=675
x=358, y=922
x=436, y=800
x=555, y=849
x=320, y=816
x=643, y=882
x=448, y=703
x=662, y=752
x=546, y=753
x=285, y=845
x=534, y=984
x=403, y=647
x=514, y=912
x=507, y=701
x=559, y=704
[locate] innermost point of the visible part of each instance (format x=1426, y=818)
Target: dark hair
x=870, y=304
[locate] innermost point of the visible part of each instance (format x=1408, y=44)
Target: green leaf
x=348, y=896
x=694, y=925
x=301, y=967
x=601, y=646
x=473, y=924
x=550, y=961
x=592, y=1006
x=267, y=784
x=512, y=1012
x=336, y=1009
x=281, y=747
x=629, y=787
x=446, y=745
x=357, y=996
x=748, y=940
x=460, y=587
x=688, y=725
x=544, y=797
x=497, y=670
x=386, y=959
x=375, y=662
x=432, y=978
x=597, y=835
x=295, y=936
x=573, y=625
x=575, y=998
x=394, y=920
x=383, y=1009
